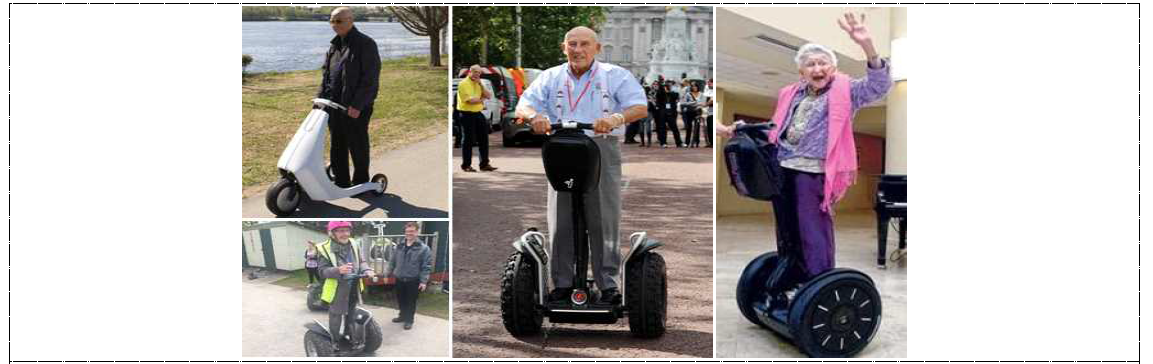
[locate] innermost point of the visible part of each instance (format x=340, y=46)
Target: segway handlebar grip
x=571, y=124
x=328, y=103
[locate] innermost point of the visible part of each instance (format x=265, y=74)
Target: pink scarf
x=840, y=149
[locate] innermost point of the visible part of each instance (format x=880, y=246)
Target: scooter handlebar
x=328, y=103
x=741, y=124
x=570, y=125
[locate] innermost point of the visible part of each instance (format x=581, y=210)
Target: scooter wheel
x=373, y=336
x=383, y=181
x=751, y=286
x=647, y=296
x=836, y=315
x=317, y=345
x=283, y=197
x=313, y=300
x=518, y=296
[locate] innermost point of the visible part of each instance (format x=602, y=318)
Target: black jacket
x=664, y=98
x=361, y=74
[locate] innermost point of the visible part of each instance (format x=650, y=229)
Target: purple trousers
x=804, y=232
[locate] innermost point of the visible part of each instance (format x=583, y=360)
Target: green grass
x=412, y=104
x=430, y=303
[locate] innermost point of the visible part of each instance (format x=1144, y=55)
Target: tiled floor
x=742, y=238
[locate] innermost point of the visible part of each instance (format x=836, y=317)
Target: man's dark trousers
x=407, y=291
x=349, y=135
x=475, y=133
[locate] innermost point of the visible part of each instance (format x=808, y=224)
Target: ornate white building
x=634, y=37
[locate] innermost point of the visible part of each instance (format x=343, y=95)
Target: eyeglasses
x=336, y=21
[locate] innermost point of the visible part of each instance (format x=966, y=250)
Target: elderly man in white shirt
x=608, y=97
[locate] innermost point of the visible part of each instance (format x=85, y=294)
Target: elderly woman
x=814, y=136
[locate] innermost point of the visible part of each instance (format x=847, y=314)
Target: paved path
x=273, y=318
x=417, y=187
x=667, y=192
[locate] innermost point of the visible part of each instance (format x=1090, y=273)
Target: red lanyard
x=573, y=105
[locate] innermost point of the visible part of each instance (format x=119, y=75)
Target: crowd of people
x=690, y=102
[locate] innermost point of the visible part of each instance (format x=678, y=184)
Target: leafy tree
x=245, y=61
x=424, y=21
x=487, y=34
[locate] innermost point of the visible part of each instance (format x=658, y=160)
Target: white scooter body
x=303, y=158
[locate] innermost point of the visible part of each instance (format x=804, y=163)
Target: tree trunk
x=434, y=49
x=483, y=43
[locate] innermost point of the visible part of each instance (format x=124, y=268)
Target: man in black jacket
x=351, y=78
x=667, y=102
x=411, y=264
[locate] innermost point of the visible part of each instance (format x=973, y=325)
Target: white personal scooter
x=303, y=172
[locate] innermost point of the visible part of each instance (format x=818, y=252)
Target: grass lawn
x=430, y=303
x=412, y=105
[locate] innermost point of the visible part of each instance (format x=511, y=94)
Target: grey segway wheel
x=283, y=197
x=751, y=285
x=373, y=336
x=317, y=345
x=383, y=181
x=313, y=299
x=646, y=292
x=836, y=315
x=518, y=296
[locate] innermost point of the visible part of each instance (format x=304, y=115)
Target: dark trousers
x=407, y=291
x=349, y=136
x=666, y=123
x=631, y=132
x=336, y=319
x=312, y=272
x=709, y=130
x=802, y=228
x=475, y=133
x=692, y=129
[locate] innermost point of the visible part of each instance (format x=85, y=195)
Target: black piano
x=892, y=203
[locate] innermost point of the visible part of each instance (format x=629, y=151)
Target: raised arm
x=877, y=80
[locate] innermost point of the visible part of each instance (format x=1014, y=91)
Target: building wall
x=252, y=248
x=290, y=241
x=630, y=31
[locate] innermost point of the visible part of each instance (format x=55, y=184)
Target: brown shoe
x=468, y=169
x=487, y=168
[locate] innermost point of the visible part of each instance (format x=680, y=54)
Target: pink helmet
x=333, y=225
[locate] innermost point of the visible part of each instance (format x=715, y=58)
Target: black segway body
x=572, y=164
x=833, y=315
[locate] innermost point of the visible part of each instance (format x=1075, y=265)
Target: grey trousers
x=602, y=212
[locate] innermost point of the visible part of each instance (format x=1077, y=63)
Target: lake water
x=296, y=45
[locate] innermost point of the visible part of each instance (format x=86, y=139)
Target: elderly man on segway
x=339, y=255
x=607, y=96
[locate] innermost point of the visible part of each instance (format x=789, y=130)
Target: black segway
x=363, y=332
x=572, y=164
x=833, y=315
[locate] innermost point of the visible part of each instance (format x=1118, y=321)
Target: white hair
x=812, y=49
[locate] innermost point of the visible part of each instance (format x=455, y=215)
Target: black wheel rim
x=843, y=317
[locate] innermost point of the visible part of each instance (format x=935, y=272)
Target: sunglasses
x=336, y=21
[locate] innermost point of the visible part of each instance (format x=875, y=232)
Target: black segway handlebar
x=570, y=125
x=358, y=275
x=741, y=124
